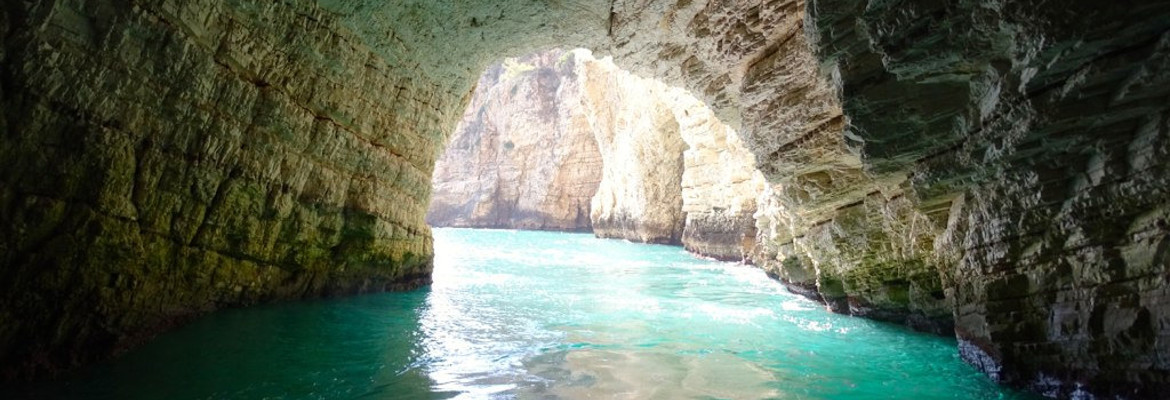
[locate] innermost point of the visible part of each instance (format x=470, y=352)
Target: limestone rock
x=720, y=184
x=162, y=158
x=529, y=142
x=524, y=155
x=1035, y=137
x=640, y=197
x=167, y=159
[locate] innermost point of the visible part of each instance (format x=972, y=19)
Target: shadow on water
x=359, y=348
x=541, y=315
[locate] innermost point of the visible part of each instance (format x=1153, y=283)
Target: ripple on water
x=515, y=314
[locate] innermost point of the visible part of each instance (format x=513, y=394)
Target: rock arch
x=1001, y=160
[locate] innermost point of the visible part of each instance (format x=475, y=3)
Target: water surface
x=538, y=315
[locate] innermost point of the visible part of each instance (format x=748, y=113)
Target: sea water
x=540, y=315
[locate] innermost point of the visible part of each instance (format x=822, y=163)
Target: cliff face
x=524, y=156
x=640, y=197
x=1039, y=136
x=828, y=227
x=162, y=158
x=153, y=166
x=720, y=185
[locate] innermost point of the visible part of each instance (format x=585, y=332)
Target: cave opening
x=560, y=140
x=995, y=171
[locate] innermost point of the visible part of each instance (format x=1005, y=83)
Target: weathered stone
x=162, y=158
x=155, y=166
x=720, y=184
x=524, y=155
x=1032, y=131
x=640, y=196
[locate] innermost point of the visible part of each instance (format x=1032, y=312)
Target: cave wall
x=1037, y=132
x=159, y=160
x=162, y=158
x=828, y=227
x=524, y=154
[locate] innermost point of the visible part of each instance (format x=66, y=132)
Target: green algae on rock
x=162, y=158
x=155, y=166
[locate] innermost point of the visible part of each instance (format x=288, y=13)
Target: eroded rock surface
x=1035, y=136
x=524, y=155
x=167, y=159
x=161, y=158
x=529, y=142
x=640, y=197
x=720, y=185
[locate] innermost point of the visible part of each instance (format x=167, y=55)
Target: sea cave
x=454, y=199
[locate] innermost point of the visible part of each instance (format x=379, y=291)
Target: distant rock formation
x=640, y=197
x=721, y=185
x=524, y=155
x=563, y=141
x=1004, y=165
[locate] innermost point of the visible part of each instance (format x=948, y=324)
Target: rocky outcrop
x=640, y=197
x=720, y=185
x=167, y=159
x=524, y=155
x=873, y=259
x=161, y=158
x=1034, y=137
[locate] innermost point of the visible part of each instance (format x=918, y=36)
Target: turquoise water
x=537, y=315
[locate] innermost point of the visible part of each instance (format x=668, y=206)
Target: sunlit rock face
x=529, y=141
x=640, y=197
x=720, y=185
x=173, y=157
x=524, y=155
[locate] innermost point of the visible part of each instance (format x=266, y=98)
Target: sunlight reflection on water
x=538, y=315
x=546, y=315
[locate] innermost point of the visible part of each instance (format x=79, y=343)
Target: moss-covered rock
x=156, y=165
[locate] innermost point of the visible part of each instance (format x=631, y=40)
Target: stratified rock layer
x=640, y=197
x=1035, y=135
x=524, y=155
x=720, y=185
x=161, y=161
x=161, y=158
